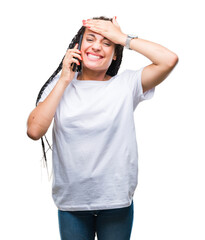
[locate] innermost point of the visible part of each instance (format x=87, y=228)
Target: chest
x=93, y=108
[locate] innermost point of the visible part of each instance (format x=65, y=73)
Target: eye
x=107, y=44
x=89, y=39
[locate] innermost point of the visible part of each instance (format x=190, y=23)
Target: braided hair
x=112, y=71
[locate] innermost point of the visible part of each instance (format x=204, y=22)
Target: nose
x=96, y=46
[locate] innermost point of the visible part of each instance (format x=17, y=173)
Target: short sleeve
x=133, y=79
x=49, y=88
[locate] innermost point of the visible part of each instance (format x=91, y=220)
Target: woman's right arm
x=41, y=117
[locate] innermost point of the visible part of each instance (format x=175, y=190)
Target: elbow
x=173, y=60
x=33, y=134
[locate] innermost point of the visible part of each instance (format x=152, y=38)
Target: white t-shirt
x=95, y=157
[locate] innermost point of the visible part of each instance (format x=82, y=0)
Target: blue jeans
x=111, y=224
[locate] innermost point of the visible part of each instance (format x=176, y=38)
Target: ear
x=114, y=57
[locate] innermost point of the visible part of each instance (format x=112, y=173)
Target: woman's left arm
x=163, y=62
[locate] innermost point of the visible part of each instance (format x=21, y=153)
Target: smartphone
x=74, y=65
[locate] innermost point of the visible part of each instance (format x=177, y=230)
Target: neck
x=88, y=74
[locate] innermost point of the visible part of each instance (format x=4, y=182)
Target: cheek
x=83, y=49
x=84, y=45
x=111, y=54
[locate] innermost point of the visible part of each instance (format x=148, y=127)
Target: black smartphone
x=74, y=65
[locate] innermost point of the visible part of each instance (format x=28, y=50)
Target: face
x=97, y=51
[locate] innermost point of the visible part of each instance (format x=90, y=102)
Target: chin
x=94, y=67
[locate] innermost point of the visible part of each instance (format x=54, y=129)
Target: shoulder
x=131, y=73
x=47, y=88
x=131, y=77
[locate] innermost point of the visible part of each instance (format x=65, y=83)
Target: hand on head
x=110, y=30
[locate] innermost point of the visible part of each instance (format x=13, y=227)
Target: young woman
x=94, y=140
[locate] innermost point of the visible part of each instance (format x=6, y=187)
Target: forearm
x=156, y=53
x=41, y=117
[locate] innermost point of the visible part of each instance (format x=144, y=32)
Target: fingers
x=102, y=27
x=94, y=25
x=76, y=46
x=98, y=22
x=72, y=56
x=114, y=21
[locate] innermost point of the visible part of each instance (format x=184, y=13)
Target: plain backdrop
x=170, y=196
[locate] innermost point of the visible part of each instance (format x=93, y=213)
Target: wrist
x=122, y=39
x=128, y=41
x=64, y=81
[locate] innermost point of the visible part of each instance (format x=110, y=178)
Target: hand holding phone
x=74, y=65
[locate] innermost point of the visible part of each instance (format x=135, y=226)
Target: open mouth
x=94, y=57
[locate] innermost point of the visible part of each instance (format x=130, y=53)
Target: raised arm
x=163, y=60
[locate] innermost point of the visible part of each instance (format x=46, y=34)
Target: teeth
x=93, y=56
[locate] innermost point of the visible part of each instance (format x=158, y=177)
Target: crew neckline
x=91, y=82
